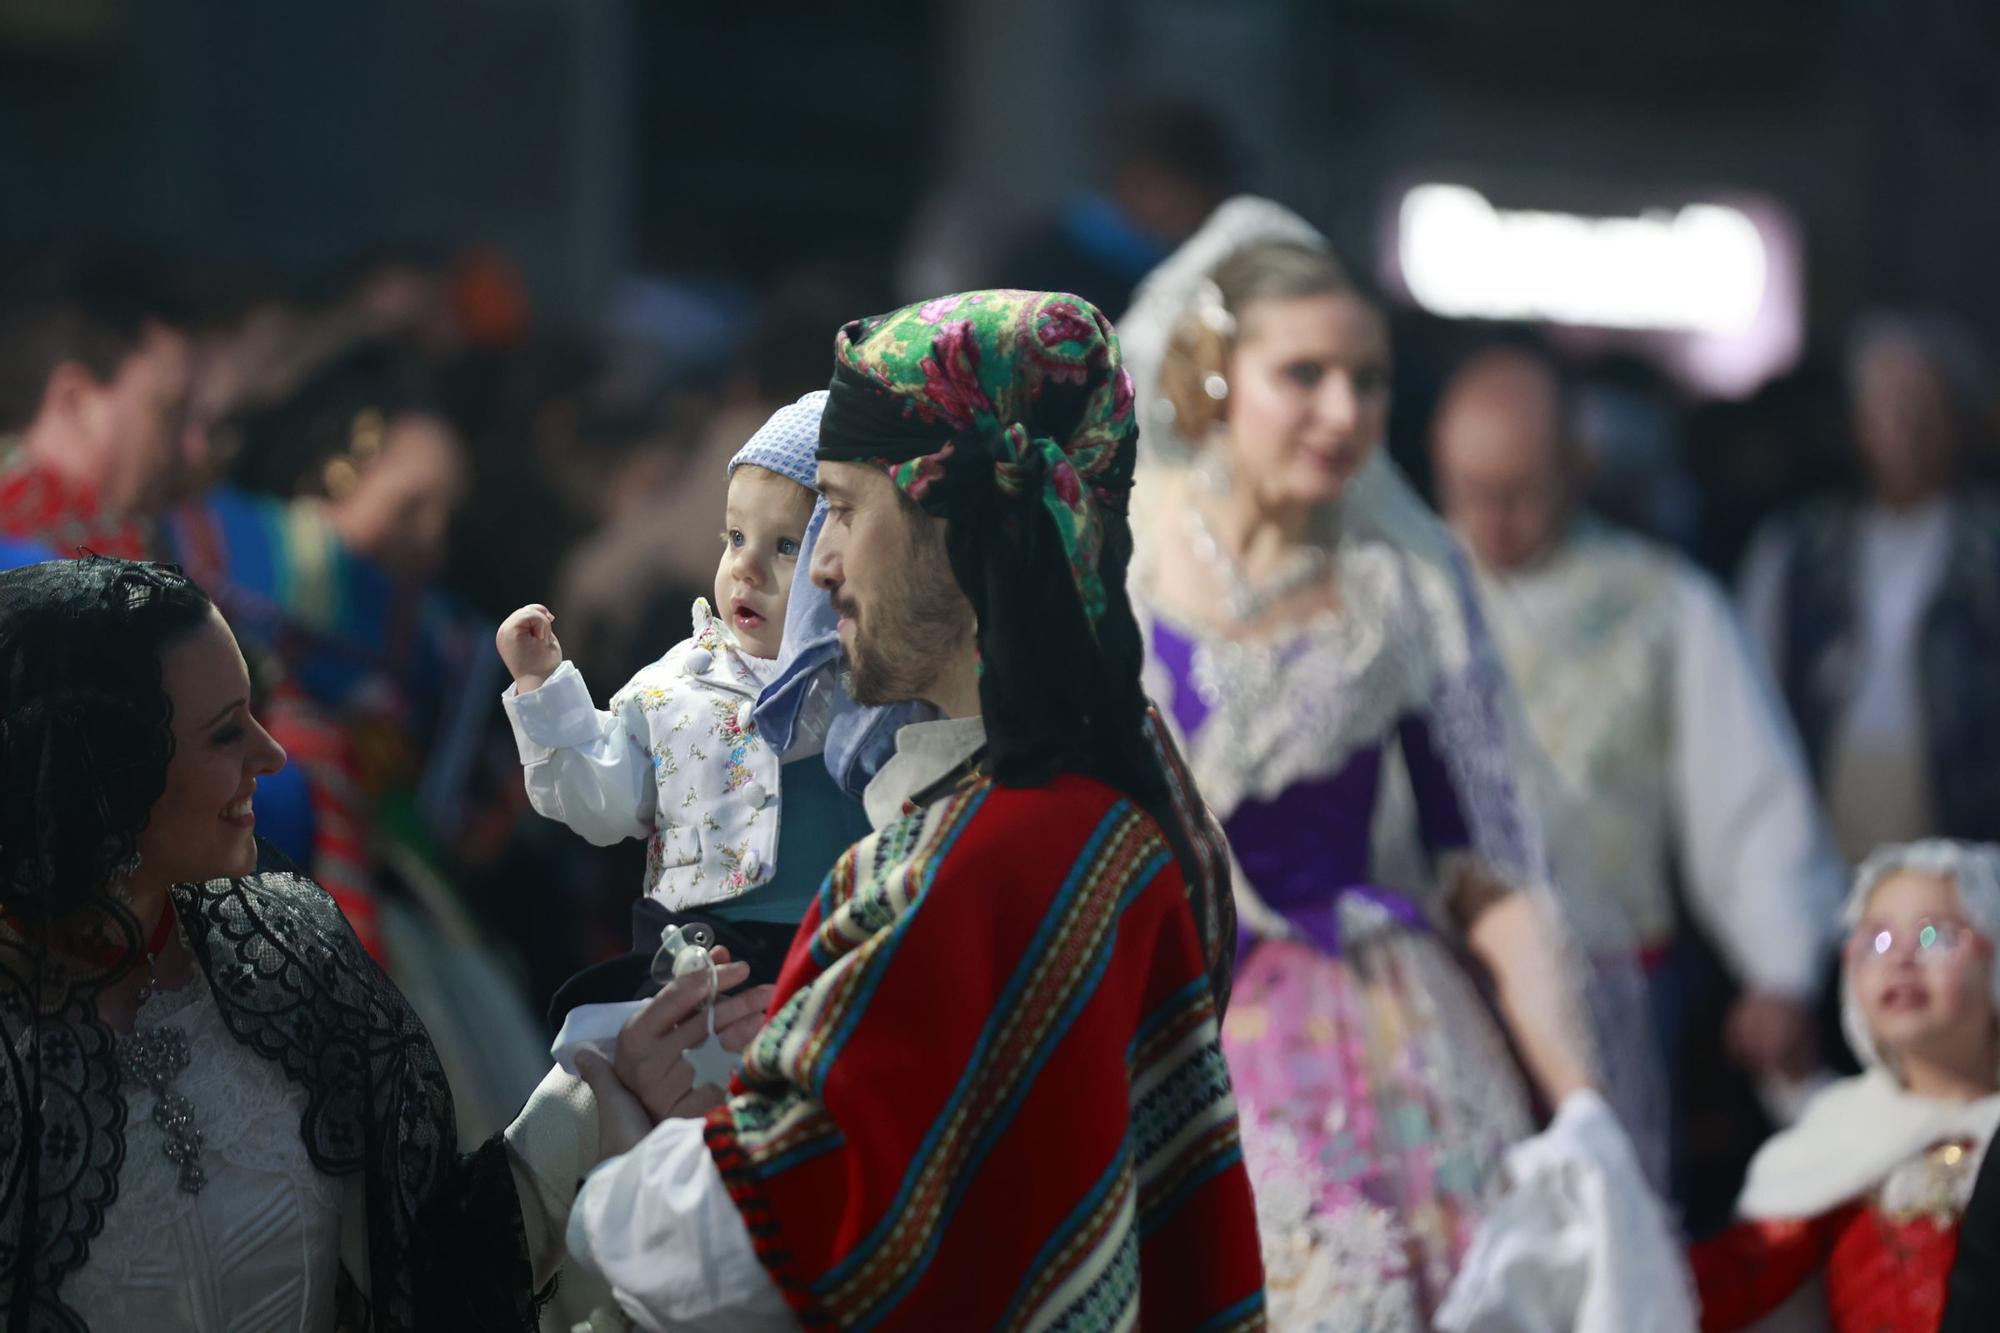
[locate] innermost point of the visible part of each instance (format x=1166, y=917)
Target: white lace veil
x=1512, y=800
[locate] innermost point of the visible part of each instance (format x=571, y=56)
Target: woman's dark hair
x=86, y=727
x=318, y=440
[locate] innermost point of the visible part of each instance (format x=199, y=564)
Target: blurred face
x=902, y=616
x=1500, y=467
x=1308, y=396
x=1903, y=423
x=137, y=418
x=222, y=369
x=764, y=529
x=201, y=828
x=400, y=510
x=1165, y=204
x=1922, y=976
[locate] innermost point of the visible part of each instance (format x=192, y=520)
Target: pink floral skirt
x=1377, y=1098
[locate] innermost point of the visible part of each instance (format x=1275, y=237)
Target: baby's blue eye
x=786, y=546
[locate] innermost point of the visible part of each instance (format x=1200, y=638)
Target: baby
x=738, y=836
x=1868, y=1189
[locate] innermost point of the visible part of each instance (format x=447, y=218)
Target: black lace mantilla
x=446, y=1248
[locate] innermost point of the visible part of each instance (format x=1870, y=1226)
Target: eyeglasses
x=1932, y=941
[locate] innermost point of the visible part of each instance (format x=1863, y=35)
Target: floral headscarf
x=1010, y=414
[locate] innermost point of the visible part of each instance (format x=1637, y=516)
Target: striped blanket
x=991, y=1092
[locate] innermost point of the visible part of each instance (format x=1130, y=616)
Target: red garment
x=340, y=808
x=1882, y=1275
x=991, y=1093
x=39, y=504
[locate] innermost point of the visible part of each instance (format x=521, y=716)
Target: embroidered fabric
x=1373, y=1159
x=1297, y=706
x=1324, y=1272
x=293, y=988
x=1936, y=1184
x=258, y=1247
x=1509, y=794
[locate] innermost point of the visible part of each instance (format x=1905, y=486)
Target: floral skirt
x=1377, y=1098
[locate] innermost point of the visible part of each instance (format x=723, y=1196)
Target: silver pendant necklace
x=153, y=1058
x=1242, y=598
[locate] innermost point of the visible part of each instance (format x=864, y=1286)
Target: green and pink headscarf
x=1010, y=415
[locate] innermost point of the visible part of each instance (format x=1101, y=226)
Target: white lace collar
x=925, y=752
x=1298, y=705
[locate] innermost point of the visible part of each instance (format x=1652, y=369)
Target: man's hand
x=528, y=645
x=1771, y=1035
x=648, y=1059
x=621, y=1120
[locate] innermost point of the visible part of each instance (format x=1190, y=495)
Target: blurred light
x=1702, y=269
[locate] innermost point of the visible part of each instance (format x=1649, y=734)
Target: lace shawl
x=445, y=1243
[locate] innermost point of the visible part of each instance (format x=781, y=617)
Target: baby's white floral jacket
x=676, y=760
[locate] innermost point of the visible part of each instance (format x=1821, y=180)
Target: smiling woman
x=204, y=1073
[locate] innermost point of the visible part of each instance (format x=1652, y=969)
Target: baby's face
x=1922, y=975
x=765, y=525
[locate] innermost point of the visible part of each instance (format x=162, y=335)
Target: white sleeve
x=582, y=766
x=1761, y=871
x=659, y=1226
x=550, y=1145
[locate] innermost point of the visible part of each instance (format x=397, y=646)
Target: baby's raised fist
x=528, y=645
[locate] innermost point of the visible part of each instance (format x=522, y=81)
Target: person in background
x=1868, y=1190
x=323, y=547
x=1169, y=164
x=1880, y=615
x=1667, y=736
x=321, y=551
x=1310, y=631
x=243, y=326
x=94, y=382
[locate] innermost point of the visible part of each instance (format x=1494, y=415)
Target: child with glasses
x=1851, y=1217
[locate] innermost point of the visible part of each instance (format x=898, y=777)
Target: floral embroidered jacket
x=676, y=760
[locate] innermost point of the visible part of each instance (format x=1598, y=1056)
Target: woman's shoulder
x=274, y=897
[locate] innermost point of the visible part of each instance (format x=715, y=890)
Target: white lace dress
x=259, y=1247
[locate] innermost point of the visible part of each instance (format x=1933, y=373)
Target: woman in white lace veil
x=1316, y=631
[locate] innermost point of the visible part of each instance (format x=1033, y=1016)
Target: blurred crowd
x=369, y=468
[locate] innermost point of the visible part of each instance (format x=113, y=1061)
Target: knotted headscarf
x=1010, y=415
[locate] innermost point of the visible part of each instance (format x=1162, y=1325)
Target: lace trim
x=292, y=987
x=249, y=1119
x=1300, y=705
x=264, y=1204
x=80, y=1132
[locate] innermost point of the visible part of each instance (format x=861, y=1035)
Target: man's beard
x=918, y=617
